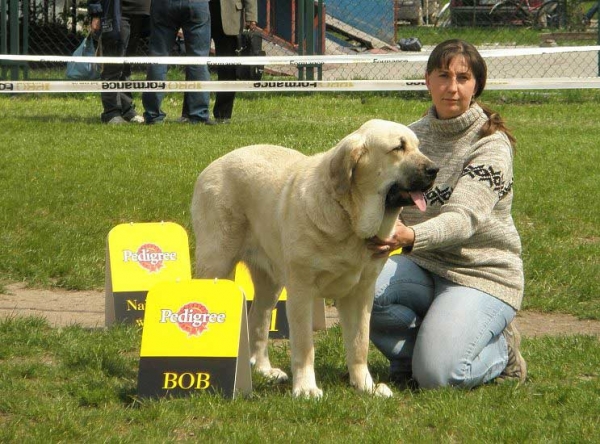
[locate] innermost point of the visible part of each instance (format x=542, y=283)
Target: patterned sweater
x=467, y=235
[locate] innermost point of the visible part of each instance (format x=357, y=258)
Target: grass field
x=67, y=180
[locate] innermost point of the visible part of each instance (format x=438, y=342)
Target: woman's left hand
x=402, y=236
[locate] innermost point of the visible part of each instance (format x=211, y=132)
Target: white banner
x=281, y=85
x=293, y=60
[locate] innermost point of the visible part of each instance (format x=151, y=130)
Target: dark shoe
x=154, y=122
x=117, y=120
x=516, y=368
x=403, y=380
x=184, y=119
x=223, y=121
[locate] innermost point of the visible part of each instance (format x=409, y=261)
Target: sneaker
x=224, y=121
x=516, y=368
x=137, y=119
x=183, y=119
x=117, y=120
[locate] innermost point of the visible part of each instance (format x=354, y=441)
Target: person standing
x=228, y=19
x=121, y=24
x=444, y=309
x=167, y=17
x=587, y=18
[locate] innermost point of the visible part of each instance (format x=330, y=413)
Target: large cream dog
x=302, y=222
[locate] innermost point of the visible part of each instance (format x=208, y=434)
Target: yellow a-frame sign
x=138, y=256
x=195, y=339
x=279, y=328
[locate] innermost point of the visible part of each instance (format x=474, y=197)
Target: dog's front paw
x=383, y=391
x=273, y=374
x=308, y=392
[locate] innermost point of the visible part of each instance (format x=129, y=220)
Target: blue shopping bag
x=84, y=71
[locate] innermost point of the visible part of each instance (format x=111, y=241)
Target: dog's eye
x=399, y=147
x=402, y=145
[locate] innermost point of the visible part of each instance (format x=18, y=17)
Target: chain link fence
x=292, y=27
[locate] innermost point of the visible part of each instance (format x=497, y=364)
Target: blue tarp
x=373, y=17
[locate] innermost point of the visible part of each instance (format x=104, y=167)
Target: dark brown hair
x=440, y=58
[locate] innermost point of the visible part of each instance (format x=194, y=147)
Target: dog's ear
x=346, y=155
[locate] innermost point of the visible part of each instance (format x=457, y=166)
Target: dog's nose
x=432, y=171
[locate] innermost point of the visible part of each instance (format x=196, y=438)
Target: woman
x=444, y=309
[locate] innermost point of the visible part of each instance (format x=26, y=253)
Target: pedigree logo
x=193, y=318
x=149, y=257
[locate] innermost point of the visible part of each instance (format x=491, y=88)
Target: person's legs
x=111, y=101
x=592, y=11
x=460, y=341
x=196, y=34
x=225, y=45
x=135, y=23
x=403, y=293
x=162, y=37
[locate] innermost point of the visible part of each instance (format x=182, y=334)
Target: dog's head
x=380, y=167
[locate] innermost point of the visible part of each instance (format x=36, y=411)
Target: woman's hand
x=402, y=236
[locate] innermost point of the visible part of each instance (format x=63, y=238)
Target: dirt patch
x=86, y=308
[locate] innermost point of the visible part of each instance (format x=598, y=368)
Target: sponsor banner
x=305, y=60
x=279, y=327
x=282, y=85
x=195, y=339
x=138, y=256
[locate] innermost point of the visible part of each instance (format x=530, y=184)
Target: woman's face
x=451, y=89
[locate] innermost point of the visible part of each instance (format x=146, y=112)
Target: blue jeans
x=193, y=17
x=441, y=333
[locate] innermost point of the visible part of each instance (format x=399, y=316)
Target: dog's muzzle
x=398, y=196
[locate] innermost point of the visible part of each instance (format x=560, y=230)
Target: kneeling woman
x=444, y=309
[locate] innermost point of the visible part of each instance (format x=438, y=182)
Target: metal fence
x=290, y=27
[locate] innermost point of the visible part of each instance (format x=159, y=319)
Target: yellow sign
x=279, y=328
x=138, y=256
x=195, y=338
x=199, y=317
x=396, y=252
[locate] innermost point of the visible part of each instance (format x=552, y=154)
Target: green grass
x=78, y=385
x=67, y=179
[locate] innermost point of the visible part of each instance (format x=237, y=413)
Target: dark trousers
x=225, y=45
x=120, y=103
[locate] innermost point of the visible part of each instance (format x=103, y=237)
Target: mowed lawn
x=67, y=180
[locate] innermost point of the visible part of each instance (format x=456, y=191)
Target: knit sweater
x=467, y=235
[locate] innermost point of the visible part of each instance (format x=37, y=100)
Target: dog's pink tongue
x=419, y=200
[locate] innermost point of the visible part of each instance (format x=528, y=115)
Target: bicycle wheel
x=442, y=18
x=502, y=12
x=510, y=12
x=548, y=15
